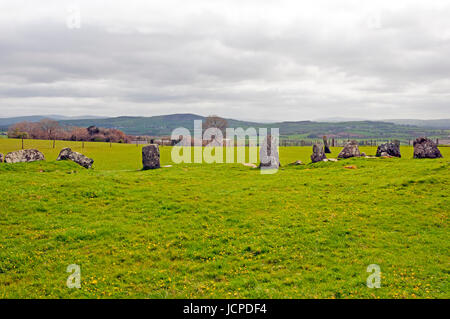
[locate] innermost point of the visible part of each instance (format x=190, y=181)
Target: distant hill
x=436, y=124
x=8, y=121
x=155, y=125
x=5, y=122
x=356, y=129
x=163, y=125
x=340, y=119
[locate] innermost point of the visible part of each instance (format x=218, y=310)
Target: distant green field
x=128, y=156
x=223, y=230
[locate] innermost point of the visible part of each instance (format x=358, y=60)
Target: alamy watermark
x=374, y=280
x=73, y=19
x=74, y=279
x=374, y=20
x=210, y=146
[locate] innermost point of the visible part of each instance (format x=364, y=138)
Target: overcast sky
x=260, y=60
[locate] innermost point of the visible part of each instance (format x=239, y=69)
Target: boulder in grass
x=426, y=148
x=318, y=154
x=350, y=149
x=150, y=157
x=299, y=162
x=1, y=158
x=390, y=149
x=24, y=156
x=80, y=159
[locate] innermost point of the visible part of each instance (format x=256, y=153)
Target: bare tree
x=214, y=121
x=19, y=130
x=50, y=128
x=79, y=134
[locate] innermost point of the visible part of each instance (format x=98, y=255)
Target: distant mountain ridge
x=7, y=121
x=436, y=124
x=163, y=125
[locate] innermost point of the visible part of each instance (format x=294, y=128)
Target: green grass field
x=223, y=230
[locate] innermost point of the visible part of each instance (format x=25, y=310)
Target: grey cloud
x=206, y=63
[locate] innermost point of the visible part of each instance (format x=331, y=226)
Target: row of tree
x=48, y=129
x=51, y=130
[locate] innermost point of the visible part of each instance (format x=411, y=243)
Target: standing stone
x=391, y=149
x=268, y=154
x=325, y=145
x=80, y=159
x=1, y=158
x=24, y=156
x=350, y=149
x=150, y=157
x=426, y=148
x=318, y=154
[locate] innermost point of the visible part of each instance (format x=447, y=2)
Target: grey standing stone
x=426, y=148
x=24, y=156
x=268, y=154
x=325, y=145
x=391, y=149
x=350, y=149
x=80, y=159
x=150, y=157
x=318, y=154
